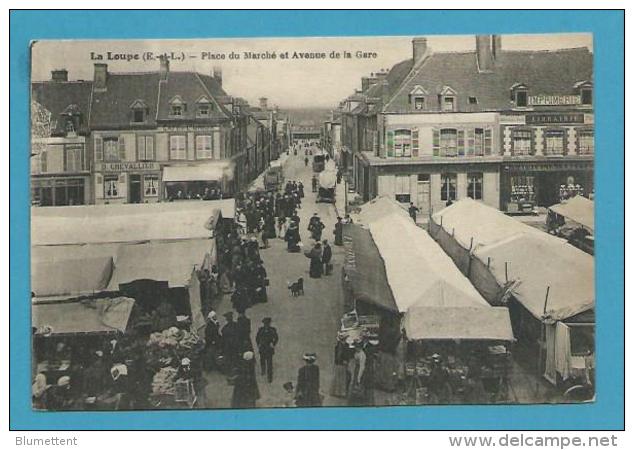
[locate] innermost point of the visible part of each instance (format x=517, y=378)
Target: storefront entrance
x=135, y=188
x=58, y=192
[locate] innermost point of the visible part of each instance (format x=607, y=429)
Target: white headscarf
x=39, y=385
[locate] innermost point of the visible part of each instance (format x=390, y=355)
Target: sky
x=287, y=83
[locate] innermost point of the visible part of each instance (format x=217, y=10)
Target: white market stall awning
x=93, y=224
x=538, y=266
x=378, y=208
x=476, y=323
x=468, y=219
x=67, y=277
x=577, y=209
x=213, y=171
x=94, y=316
x=327, y=179
x=417, y=270
x=172, y=262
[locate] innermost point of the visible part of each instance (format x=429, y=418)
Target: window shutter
x=414, y=142
x=470, y=142
x=140, y=148
x=43, y=162
x=460, y=142
x=98, y=186
x=98, y=148
x=122, y=148
x=123, y=186
x=149, y=148
x=390, y=143
x=487, y=141
x=436, y=142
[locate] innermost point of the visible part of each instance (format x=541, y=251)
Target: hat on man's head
x=310, y=357
x=267, y=320
x=247, y=356
x=63, y=381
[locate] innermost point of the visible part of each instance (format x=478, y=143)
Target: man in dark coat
x=266, y=340
x=230, y=342
x=326, y=257
x=412, y=211
x=316, y=266
x=243, y=328
x=338, y=232
x=213, y=340
x=307, y=391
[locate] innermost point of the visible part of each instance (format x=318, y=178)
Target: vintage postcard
x=312, y=222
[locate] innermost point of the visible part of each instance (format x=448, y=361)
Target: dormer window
x=177, y=107
x=447, y=99
x=139, y=111
x=417, y=98
x=473, y=101
x=204, y=108
x=70, y=128
x=585, y=92
x=519, y=95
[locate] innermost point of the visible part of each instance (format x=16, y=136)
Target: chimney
x=419, y=48
x=264, y=103
x=385, y=95
x=484, y=53
x=165, y=68
x=497, y=46
x=365, y=84
x=101, y=76
x=217, y=74
x=59, y=75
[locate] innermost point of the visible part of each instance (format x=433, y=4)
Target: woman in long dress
x=341, y=378
x=356, y=389
x=316, y=265
x=245, y=387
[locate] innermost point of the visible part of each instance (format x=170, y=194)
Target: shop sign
x=518, y=119
x=549, y=118
x=554, y=100
x=588, y=118
x=142, y=166
x=185, y=128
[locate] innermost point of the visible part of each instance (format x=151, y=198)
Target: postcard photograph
x=312, y=222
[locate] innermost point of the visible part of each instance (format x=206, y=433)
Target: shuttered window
x=204, y=147
x=448, y=142
x=178, y=147
x=460, y=142
x=471, y=139
x=488, y=141
x=121, y=148
x=145, y=148
x=111, y=149
x=415, y=144
x=436, y=142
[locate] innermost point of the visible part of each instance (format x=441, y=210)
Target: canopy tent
x=364, y=270
x=97, y=316
x=327, y=179
x=378, y=208
x=537, y=265
x=468, y=323
x=211, y=171
x=577, y=209
x=467, y=220
x=66, y=277
x=172, y=262
x=54, y=253
x=415, y=273
x=126, y=223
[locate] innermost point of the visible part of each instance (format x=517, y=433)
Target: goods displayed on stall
x=165, y=353
x=522, y=195
x=358, y=328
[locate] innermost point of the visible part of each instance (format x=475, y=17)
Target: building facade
x=512, y=129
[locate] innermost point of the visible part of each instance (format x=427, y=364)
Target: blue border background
x=608, y=28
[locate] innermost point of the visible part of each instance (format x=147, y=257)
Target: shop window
x=554, y=142
x=204, y=147
x=522, y=142
x=402, y=143
x=402, y=189
x=448, y=182
x=178, y=147
x=586, y=96
x=474, y=186
x=150, y=185
x=145, y=148
x=419, y=103
x=110, y=186
x=585, y=140
x=522, y=189
x=73, y=155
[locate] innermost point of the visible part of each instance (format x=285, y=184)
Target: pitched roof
x=57, y=96
x=111, y=108
x=543, y=72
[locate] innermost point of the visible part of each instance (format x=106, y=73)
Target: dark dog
x=297, y=288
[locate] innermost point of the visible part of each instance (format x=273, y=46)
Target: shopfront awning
x=67, y=277
x=577, y=209
x=215, y=171
x=96, y=316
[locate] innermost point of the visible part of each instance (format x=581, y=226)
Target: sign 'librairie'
x=141, y=166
